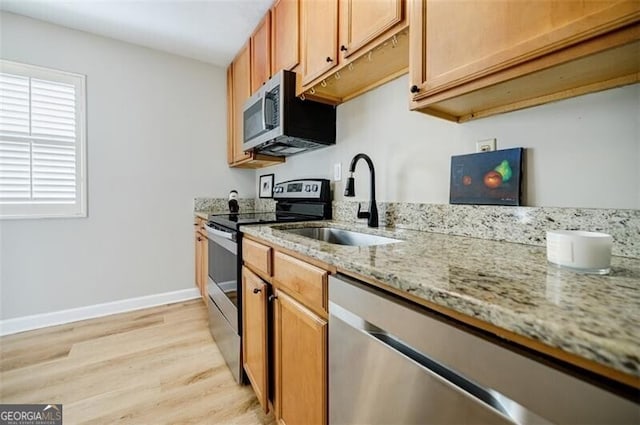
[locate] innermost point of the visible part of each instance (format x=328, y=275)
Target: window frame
x=32, y=210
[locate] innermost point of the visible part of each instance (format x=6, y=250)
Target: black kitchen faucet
x=350, y=190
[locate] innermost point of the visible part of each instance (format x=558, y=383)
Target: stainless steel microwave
x=276, y=122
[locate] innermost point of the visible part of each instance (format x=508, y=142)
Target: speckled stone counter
x=525, y=225
x=507, y=285
x=211, y=205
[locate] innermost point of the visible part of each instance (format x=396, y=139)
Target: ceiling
x=207, y=30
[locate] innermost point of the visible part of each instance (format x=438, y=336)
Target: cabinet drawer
x=198, y=224
x=306, y=283
x=257, y=256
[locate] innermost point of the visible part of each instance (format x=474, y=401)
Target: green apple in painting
x=505, y=170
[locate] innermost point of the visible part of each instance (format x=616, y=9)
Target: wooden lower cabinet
x=284, y=333
x=201, y=263
x=300, y=363
x=255, y=336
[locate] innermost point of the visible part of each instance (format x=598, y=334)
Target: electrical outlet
x=486, y=145
x=337, y=172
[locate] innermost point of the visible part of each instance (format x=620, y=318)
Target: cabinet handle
x=199, y=239
x=272, y=297
x=329, y=59
x=343, y=48
x=257, y=290
x=414, y=89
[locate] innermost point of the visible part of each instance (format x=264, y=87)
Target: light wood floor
x=153, y=366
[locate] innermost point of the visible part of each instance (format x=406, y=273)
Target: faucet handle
x=362, y=214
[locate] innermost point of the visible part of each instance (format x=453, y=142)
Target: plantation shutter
x=41, y=142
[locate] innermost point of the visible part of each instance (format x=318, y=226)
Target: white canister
x=586, y=252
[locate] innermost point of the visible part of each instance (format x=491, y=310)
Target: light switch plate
x=486, y=145
x=337, y=172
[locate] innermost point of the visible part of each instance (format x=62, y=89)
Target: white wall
x=156, y=139
x=581, y=152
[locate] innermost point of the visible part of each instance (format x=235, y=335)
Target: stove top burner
x=234, y=220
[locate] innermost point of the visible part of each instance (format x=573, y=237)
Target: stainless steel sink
x=341, y=237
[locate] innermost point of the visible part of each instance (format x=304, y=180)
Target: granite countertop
x=205, y=214
x=508, y=285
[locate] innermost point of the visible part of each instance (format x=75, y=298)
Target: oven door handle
x=223, y=239
x=219, y=233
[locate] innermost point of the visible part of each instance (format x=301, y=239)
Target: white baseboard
x=37, y=321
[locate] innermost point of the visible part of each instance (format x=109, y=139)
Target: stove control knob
x=307, y=188
x=315, y=187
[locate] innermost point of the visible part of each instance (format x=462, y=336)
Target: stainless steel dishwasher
x=392, y=362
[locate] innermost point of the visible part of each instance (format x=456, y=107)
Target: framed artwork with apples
x=487, y=178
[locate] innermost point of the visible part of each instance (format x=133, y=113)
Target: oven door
x=222, y=284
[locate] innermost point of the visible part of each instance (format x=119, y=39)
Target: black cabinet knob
x=343, y=48
x=272, y=297
x=256, y=290
x=329, y=59
x=414, y=89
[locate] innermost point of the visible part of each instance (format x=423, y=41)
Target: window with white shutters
x=42, y=142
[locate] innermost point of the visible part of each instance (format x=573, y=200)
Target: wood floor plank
x=89, y=378
x=120, y=344
x=158, y=365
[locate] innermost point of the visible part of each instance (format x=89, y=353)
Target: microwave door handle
x=263, y=102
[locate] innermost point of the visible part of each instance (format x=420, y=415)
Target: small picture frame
x=265, y=189
x=487, y=178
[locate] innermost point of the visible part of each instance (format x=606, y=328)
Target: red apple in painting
x=492, y=179
x=466, y=180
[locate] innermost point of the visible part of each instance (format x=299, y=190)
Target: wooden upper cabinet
x=240, y=92
x=319, y=38
x=230, y=116
x=261, y=53
x=362, y=21
x=458, y=47
x=285, y=35
x=240, y=75
x=371, y=48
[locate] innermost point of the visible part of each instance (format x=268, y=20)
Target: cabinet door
x=198, y=263
x=460, y=41
x=204, y=265
x=261, y=53
x=363, y=21
x=240, y=92
x=285, y=29
x=301, y=363
x=319, y=38
x=230, y=116
x=254, y=334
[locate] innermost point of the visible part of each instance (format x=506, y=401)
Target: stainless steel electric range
x=297, y=200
